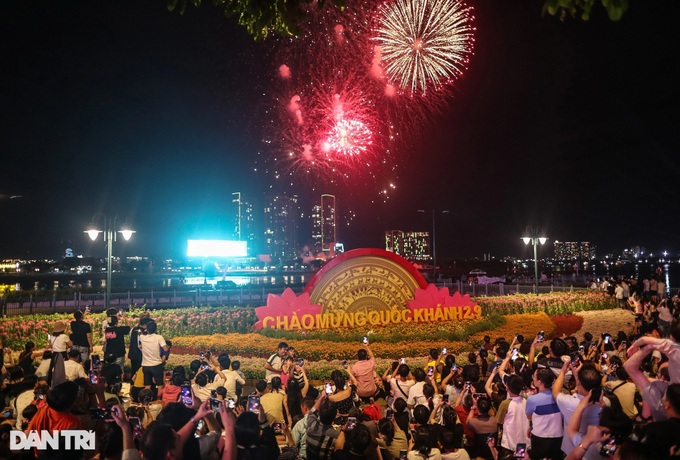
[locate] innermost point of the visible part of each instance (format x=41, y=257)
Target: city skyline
x=158, y=118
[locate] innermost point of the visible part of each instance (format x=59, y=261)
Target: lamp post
x=434, y=242
x=534, y=236
x=110, y=237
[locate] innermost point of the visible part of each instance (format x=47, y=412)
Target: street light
x=534, y=236
x=110, y=237
x=434, y=243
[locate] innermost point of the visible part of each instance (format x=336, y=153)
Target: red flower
x=432, y=297
x=285, y=305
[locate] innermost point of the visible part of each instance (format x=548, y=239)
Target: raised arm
x=632, y=367
x=489, y=382
x=558, y=384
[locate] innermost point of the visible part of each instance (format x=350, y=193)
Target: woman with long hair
x=423, y=447
x=252, y=442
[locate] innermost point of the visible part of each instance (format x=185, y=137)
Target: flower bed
x=566, y=324
x=557, y=303
x=255, y=345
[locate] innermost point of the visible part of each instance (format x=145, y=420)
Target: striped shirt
x=545, y=415
x=320, y=438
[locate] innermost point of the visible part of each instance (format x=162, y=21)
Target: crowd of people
x=613, y=396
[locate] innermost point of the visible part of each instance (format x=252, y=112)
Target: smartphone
x=604, y=355
x=344, y=364
x=231, y=404
x=205, y=367
x=403, y=454
x=365, y=340
x=403, y=361
x=478, y=395
x=98, y=413
x=300, y=362
x=8, y=414
x=581, y=349
x=608, y=447
x=120, y=311
x=329, y=389
x=575, y=361
x=520, y=450
x=541, y=336
x=389, y=414
x=454, y=367
x=279, y=427
x=215, y=404
x=49, y=337
x=351, y=423
x=253, y=404
x=95, y=362
x=595, y=396
x=606, y=339
x=444, y=351
x=87, y=309
x=430, y=371
x=94, y=377
x=445, y=398
x=201, y=355
x=468, y=384
x=515, y=353
x=40, y=396
x=136, y=427
x=186, y=396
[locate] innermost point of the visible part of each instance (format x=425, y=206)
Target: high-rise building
x=573, y=251
x=324, y=224
x=244, y=221
x=412, y=246
x=280, y=226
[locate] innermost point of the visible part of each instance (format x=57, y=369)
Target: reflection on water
x=126, y=281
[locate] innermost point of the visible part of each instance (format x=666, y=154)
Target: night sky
x=128, y=109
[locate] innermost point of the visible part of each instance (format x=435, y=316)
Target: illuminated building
x=324, y=224
x=280, y=223
x=573, y=250
x=412, y=246
x=244, y=220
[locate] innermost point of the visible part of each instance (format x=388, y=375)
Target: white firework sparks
x=424, y=43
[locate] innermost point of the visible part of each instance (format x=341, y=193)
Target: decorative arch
x=365, y=279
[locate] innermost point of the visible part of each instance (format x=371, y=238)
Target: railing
x=244, y=296
x=56, y=303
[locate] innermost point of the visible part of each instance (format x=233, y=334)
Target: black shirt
x=79, y=331
x=135, y=353
x=115, y=340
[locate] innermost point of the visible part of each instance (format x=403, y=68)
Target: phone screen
x=98, y=413
x=389, y=414
x=329, y=389
x=445, y=398
x=254, y=404
x=215, y=404
x=444, y=351
x=351, y=423
x=403, y=360
x=430, y=371
x=608, y=447
x=403, y=454
x=231, y=403
x=365, y=340
x=136, y=426
x=185, y=392
x=541, y=336
x=95, y=362
x=94, y=377
x=521, y=450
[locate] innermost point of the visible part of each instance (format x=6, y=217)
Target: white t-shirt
x=415, y=394
x=151, y=349
x=60, y=342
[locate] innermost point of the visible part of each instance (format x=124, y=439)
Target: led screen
x=216, y=248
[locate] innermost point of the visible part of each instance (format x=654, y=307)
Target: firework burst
x=424, y=44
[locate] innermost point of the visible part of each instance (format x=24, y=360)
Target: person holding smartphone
x=322, y=437
x=363, y=371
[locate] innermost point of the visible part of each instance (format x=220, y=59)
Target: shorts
x=153, y=374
